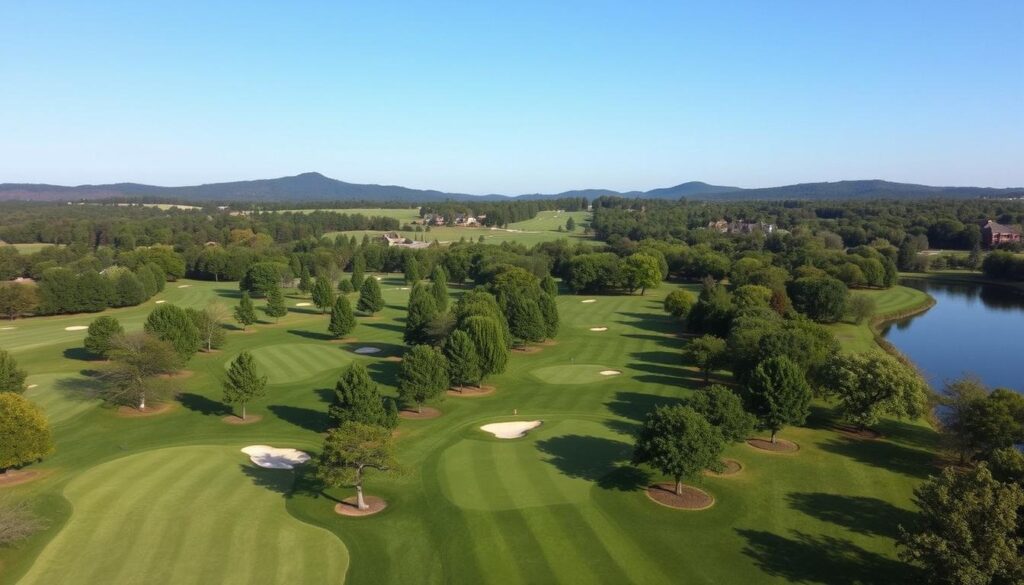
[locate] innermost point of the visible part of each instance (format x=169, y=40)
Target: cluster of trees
x=139, y=362
x=25, y=435
x=61, y=290
x=1004, y=265
x=608, y=272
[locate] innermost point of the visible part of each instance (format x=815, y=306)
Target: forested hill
x=316, y=187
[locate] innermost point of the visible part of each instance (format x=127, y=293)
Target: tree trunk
x=679, y=487
x=419, y=409
x=360, y=503
x=773, y=436
x=243, y=411
x=707, y=375
x=142, y=401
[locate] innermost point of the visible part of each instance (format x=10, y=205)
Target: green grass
x=30, y=248
x=893, y=301
x=167, y=499
x=224, y=521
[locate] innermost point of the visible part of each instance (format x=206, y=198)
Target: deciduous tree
x=871, y=384
x=12, y=378
x=486, y=335
x=707, y=353
x=323, y=294
x=101, y=332
x=25, y=435
x=137, y=360
x=172, y=324
x=350, y=450
x=678, y=304
x=679, y=442
x=779, y=394
x=967, y=531
x=724, y=409
x=463, y=362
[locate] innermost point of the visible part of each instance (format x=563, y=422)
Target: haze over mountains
x=317, y=187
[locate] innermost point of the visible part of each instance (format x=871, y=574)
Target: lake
x=973, y=328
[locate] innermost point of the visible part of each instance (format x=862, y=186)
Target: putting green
x=572, y=374
x=290, y=362
x=557, y=463
x=196, y=514
x=62, y=396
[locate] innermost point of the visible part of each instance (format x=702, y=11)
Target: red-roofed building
x=993, y=234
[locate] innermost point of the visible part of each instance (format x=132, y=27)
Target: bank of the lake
x=976, y=327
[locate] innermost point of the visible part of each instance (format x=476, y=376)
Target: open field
x=30, y=248
x=559, y=505
x=894, y=301
x=542, y=228
x=406, y=214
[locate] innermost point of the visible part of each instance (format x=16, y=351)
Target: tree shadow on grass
x=908, y=461
x=863, y=515
x=623, y=426
x=275, y=480
x=386, y=326
x=203, y=405
x=315, y=335
x=385, y=373
x=665, y=358
x=635, y=406
x=89, y=388
x=326, y=395
x=652, y=322
x=655, y=374
x=308, y=311
x=583, y=457
x=306, y=418
x=81, y=354
x=228, y=293
x=662, y=340
x=909, y=434
x=821, y=559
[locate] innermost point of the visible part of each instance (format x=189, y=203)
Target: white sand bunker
x=303, y=304
x=377, y=278
x=7, y=328
x=160, y=302
x=273, y=458
x=184, y=285
x=31, y=386
x=609, y=372
x=403, y=288
x=599, y=329
x=366, y=350
x=511, y=430
x=76, y=328
x=589, y=301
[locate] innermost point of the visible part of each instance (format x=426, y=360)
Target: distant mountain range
x=316, y=187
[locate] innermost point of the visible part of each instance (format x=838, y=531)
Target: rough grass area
x=894, y=301
x=168, y=498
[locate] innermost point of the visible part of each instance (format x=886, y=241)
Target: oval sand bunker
x=303, y=304
x=511, y=430
x=609, y=372
x=599, y=329
x=76, y=328
x=273, y=458
x=367, y=350
x=160, y=302
x=589, y=301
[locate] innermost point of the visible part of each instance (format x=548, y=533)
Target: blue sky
x=513, y=97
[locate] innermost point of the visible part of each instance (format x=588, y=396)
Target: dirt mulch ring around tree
x=779, y=446
x=549, y=342
x=236, y=420
x=393, y=358
x=344, y=340
x=132, y=412
x=19, y=476
x=691, y=499
x=528, y=349
x=732, y=467
x=347, y=507
x=427, y=412
x=471, y=391
x=855, y=433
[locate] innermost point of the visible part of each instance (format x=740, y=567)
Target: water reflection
x=973, y=328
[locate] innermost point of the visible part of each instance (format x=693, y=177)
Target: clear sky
x=513, y=96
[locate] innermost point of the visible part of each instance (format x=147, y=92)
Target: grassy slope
x=560, y=505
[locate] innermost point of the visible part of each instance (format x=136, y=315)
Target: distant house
x=993, y=234
x=397, y=240
x=741, y=227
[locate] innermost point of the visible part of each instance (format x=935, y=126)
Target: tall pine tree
x=356, y=398
x=463, y=362
x=422, y=311
x=323, y=294
x=370, y=299
x=245, y=313
x=275, y=303
x=342, y=319
x=243, y=382
x=439, y=287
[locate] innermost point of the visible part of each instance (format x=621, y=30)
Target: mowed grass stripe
x=195, y=503
x=529, y=557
